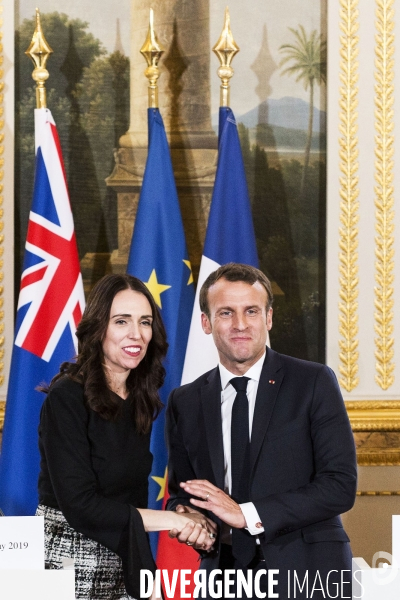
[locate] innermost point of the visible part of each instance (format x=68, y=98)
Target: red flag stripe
x=33, y=277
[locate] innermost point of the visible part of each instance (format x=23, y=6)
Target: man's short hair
x=235, y=272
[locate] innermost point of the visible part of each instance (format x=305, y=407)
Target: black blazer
x=302, y=462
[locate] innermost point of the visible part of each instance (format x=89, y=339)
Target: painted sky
x=259, y=27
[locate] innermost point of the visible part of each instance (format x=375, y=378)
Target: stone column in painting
x=182, y=26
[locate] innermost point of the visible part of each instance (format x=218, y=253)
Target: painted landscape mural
x=278, y=97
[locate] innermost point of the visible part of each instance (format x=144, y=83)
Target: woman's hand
x=202, y=536
x=187, y=524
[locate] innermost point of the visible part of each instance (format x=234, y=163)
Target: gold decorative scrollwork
x=384, y=240
x=374, y=415
x=379, y=493
x=348, y=233
x=388, y=458
x=1, y=201
x=376, y=427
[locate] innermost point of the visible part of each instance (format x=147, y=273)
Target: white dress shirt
x=228, y=394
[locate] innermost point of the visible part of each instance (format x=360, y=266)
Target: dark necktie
x=243, y=544
x=239, y=434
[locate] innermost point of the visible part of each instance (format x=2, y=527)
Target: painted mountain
x=288, y=112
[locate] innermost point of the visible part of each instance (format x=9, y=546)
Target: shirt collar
x=253, y=373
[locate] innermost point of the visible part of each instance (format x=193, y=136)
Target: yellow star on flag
x=156, y=288
x=162, y=482
x=189, y=266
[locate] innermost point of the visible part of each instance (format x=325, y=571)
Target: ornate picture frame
x=376, y=427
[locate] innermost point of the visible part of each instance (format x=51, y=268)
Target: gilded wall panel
x=349, y=191
x=384, y=199
x=362, y=192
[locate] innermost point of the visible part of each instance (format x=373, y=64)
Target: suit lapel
x=211, y=402
x=270, y=381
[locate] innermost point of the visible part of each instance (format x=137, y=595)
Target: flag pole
x=39, y=51
x=152, y=52
x=225, y=49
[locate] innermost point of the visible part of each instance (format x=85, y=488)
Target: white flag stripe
x=201, y=353
x=63, y=232
x=42, y=116
x=56, y=178
x=65, y=319
x=33, y=268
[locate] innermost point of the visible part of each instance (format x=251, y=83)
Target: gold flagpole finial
x=152, y=52
x=39, y=51
x=225, y=49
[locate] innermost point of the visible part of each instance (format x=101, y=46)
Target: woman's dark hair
x=143, y=382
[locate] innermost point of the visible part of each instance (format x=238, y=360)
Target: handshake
x=188, y=525
x=201, y=531
x=194, y=529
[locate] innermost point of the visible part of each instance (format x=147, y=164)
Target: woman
x=94, y=437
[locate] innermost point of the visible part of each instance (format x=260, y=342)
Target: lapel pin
x=272, y=381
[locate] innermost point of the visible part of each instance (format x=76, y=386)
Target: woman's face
x=129, y=331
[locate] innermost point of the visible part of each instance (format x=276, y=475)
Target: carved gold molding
x=2, y=411
x=374, y=415
x=376, y=458
x=1, y=201
x=348, y=233
x=383, y=493
x=376, y=428
x=384, y=250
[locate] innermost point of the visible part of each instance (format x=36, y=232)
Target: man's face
x=239, y=322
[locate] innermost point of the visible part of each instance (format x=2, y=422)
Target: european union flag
x=230, y=237
x=158, y=256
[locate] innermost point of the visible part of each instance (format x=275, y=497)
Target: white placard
x=396, y=540
x=22, y=543
x=37, y=585
x=375, y=583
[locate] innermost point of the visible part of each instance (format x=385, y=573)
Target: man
x=277, y=502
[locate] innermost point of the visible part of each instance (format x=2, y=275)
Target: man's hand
x=202, y=536
x=216, y=501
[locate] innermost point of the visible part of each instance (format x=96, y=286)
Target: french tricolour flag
x=50, y=305
x=230, y=238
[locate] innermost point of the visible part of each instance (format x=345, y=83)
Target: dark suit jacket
x=302, y=463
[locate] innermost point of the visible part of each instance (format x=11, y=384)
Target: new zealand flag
x=51, y=302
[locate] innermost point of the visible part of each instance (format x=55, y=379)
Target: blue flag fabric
x=50, y=305
x=229, y=238
x=230, y=233
x=158, y=256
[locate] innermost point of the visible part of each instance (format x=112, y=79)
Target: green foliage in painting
x=306, y=57
x=88, y=94
x=290, y=232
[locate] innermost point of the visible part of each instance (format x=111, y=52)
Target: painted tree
x=88, y=94
x=307, y=61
